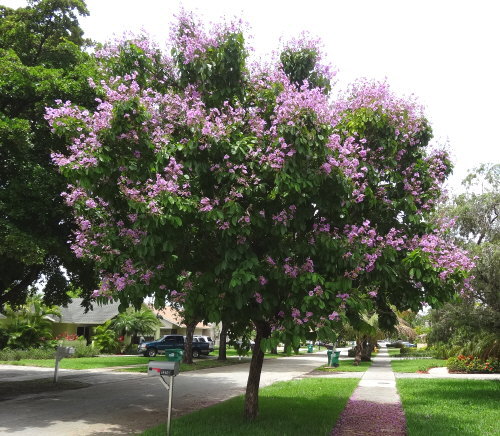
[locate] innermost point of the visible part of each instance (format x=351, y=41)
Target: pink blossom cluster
x=193, y=40
x=174, y=155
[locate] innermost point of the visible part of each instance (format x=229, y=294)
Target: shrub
x=130, y=349
x=9, y=354
x=416, y=352
x=106, y=339
x=472, y=364
x=443, y=351
x=81, y=347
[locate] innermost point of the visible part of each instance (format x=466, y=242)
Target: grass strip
x=394, y=351
x=83, y=362
x=450, y=407
x=307, y=406
x=231, y=352
x=346, y=366
x=415, y=365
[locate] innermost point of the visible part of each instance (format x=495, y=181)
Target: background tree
x=471, y=322
x=28, y=326
x=41, y=59
x=250, y=192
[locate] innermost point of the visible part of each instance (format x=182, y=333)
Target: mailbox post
x=170, y=370
x=61, y=352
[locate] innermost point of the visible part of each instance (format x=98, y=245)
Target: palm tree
x=29, y=325
x=134, y=322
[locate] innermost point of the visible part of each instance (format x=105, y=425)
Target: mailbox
x=161, y=367
x=64, y=352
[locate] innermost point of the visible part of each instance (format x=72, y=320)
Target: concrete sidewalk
x=375, y=406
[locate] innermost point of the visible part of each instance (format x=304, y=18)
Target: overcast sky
x=444, y=52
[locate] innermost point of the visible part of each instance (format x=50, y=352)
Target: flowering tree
x=246, y=190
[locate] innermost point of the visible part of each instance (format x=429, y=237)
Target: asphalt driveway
x=118, y=403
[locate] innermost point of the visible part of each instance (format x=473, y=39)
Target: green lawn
x=394, y=351
x=110, y=361
x=346, y=366
x=84, y=362
x=414, y=365
x=451, y=407
x=231, y=352
x=309, y=406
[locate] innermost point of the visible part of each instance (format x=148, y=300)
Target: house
x=74, y=320
x=172, y=323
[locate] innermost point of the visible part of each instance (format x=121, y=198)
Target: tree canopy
x=41, y=59
x=472, y=320
x=248, y=189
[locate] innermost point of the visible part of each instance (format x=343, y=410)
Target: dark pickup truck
x=169, y=342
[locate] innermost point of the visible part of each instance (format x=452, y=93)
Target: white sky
x=445, y=52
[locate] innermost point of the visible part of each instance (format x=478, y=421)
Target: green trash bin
x=335, y=359
x=329, y=356
x=174, y=355
x=309, y=348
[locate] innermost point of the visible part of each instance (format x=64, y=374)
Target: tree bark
x=223, y=342
x=188, y=346
x=357, y=351
x=288, y=348
x=251, y=409
x=366, y=350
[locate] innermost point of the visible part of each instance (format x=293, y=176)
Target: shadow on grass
x=309, y=406
x=450, y=407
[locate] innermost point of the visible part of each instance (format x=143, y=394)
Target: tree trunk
x=274, y=350
x=222, y=342
x=357, y=352
x=366, y=351
x=252, y=393
x=188, y=346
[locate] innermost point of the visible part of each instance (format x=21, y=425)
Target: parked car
x=400, y=344
x=205, y=339
x=169, y=342
x=409, y=345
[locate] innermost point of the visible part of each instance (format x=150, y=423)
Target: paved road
x=125, y=403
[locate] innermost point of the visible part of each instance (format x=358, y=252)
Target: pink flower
x=258, y=298
x=334, y=316
x=91, y=203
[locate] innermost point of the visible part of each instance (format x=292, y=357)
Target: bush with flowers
x=79, y=343
x=472, y=364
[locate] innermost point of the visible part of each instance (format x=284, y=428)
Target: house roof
x=74, y=313
x=171, y=315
